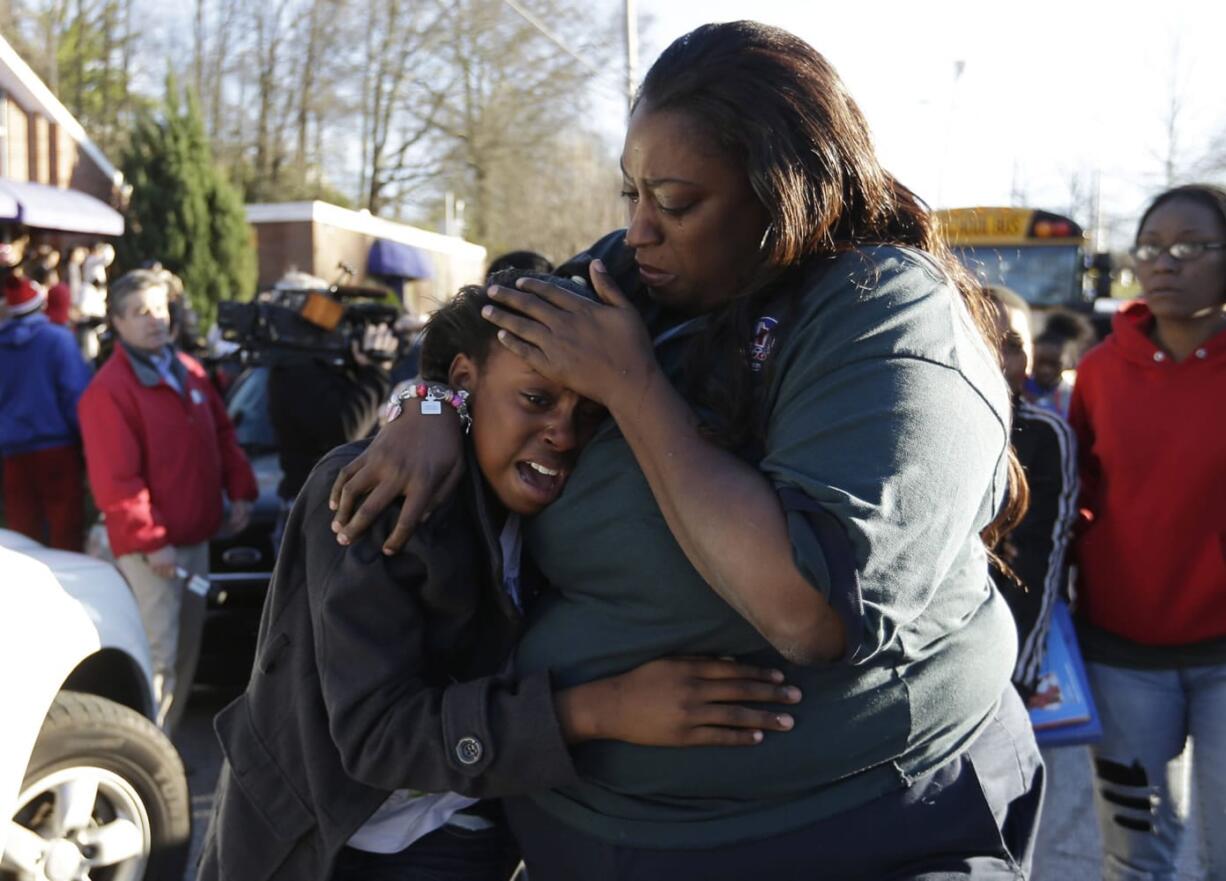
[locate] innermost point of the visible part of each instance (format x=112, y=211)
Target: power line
x=550, y=35
x=561, y=44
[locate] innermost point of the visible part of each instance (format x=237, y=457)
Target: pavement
x=1068, y=849
x=201, y=755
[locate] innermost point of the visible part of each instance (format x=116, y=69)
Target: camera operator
x=317, y=401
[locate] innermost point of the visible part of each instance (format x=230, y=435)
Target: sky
x=1048, y=91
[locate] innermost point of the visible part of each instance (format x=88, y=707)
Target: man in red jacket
x=160, y=451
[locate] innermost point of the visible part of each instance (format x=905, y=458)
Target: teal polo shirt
x=886, y=437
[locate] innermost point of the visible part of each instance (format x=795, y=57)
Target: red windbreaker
x=1150, y=432
x=158, y=460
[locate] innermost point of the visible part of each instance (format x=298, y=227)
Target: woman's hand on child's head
x=679, y=702
x=600, y=350
x=420, y=457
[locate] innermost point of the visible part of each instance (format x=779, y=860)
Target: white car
x=90, y=787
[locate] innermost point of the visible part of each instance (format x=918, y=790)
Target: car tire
x=105, y=781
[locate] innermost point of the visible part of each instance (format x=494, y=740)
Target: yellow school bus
x=1039, y=254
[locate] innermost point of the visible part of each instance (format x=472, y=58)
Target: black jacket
x=374, y=673
x=1047, y=451
x=316, y=406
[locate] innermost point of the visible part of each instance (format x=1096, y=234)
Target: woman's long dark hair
x=1211, y=196
x=776, y=106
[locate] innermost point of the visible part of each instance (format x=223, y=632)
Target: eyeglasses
x=1181, y=251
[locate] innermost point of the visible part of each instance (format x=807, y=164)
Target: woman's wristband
x=433, y=396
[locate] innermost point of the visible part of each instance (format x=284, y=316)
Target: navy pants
x=973, y=818
x=447, y=854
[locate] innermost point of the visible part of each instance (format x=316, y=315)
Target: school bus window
x=1044, y=275
x=1039, y=254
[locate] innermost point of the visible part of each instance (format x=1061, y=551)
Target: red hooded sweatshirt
x=1152, y=439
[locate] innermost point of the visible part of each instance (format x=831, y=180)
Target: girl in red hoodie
x=1148, y=410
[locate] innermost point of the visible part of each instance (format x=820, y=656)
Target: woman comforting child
x=382, y=715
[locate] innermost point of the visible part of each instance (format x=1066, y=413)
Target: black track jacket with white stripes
x=1037, y=549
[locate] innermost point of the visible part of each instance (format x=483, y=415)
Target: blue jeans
x=1142, y=772
x=447, y=854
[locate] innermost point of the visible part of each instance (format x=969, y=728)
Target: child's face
x=1013, y=325
x=527, y=430
x=1048, y=364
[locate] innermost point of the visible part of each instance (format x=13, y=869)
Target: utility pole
x=959, y=66
x=1100, y=234
x=632, y=51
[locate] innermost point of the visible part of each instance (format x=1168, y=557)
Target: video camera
x=322, y=322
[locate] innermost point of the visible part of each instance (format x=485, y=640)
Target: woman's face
x=527, y=430
x=1183, y=290
x=693, y=219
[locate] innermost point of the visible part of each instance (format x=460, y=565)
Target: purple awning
x=10, y=211
x=43, y=207
x=397, y=260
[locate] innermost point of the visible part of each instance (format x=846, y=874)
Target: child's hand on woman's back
x=678, y=702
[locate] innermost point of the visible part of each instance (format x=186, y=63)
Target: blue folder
x=1069, y=717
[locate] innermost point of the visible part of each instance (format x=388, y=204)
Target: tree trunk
x=109, y=110
x=198, y=50
x=82, y=30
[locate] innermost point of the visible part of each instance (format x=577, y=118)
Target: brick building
x=52, y=176
x=318, y=237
